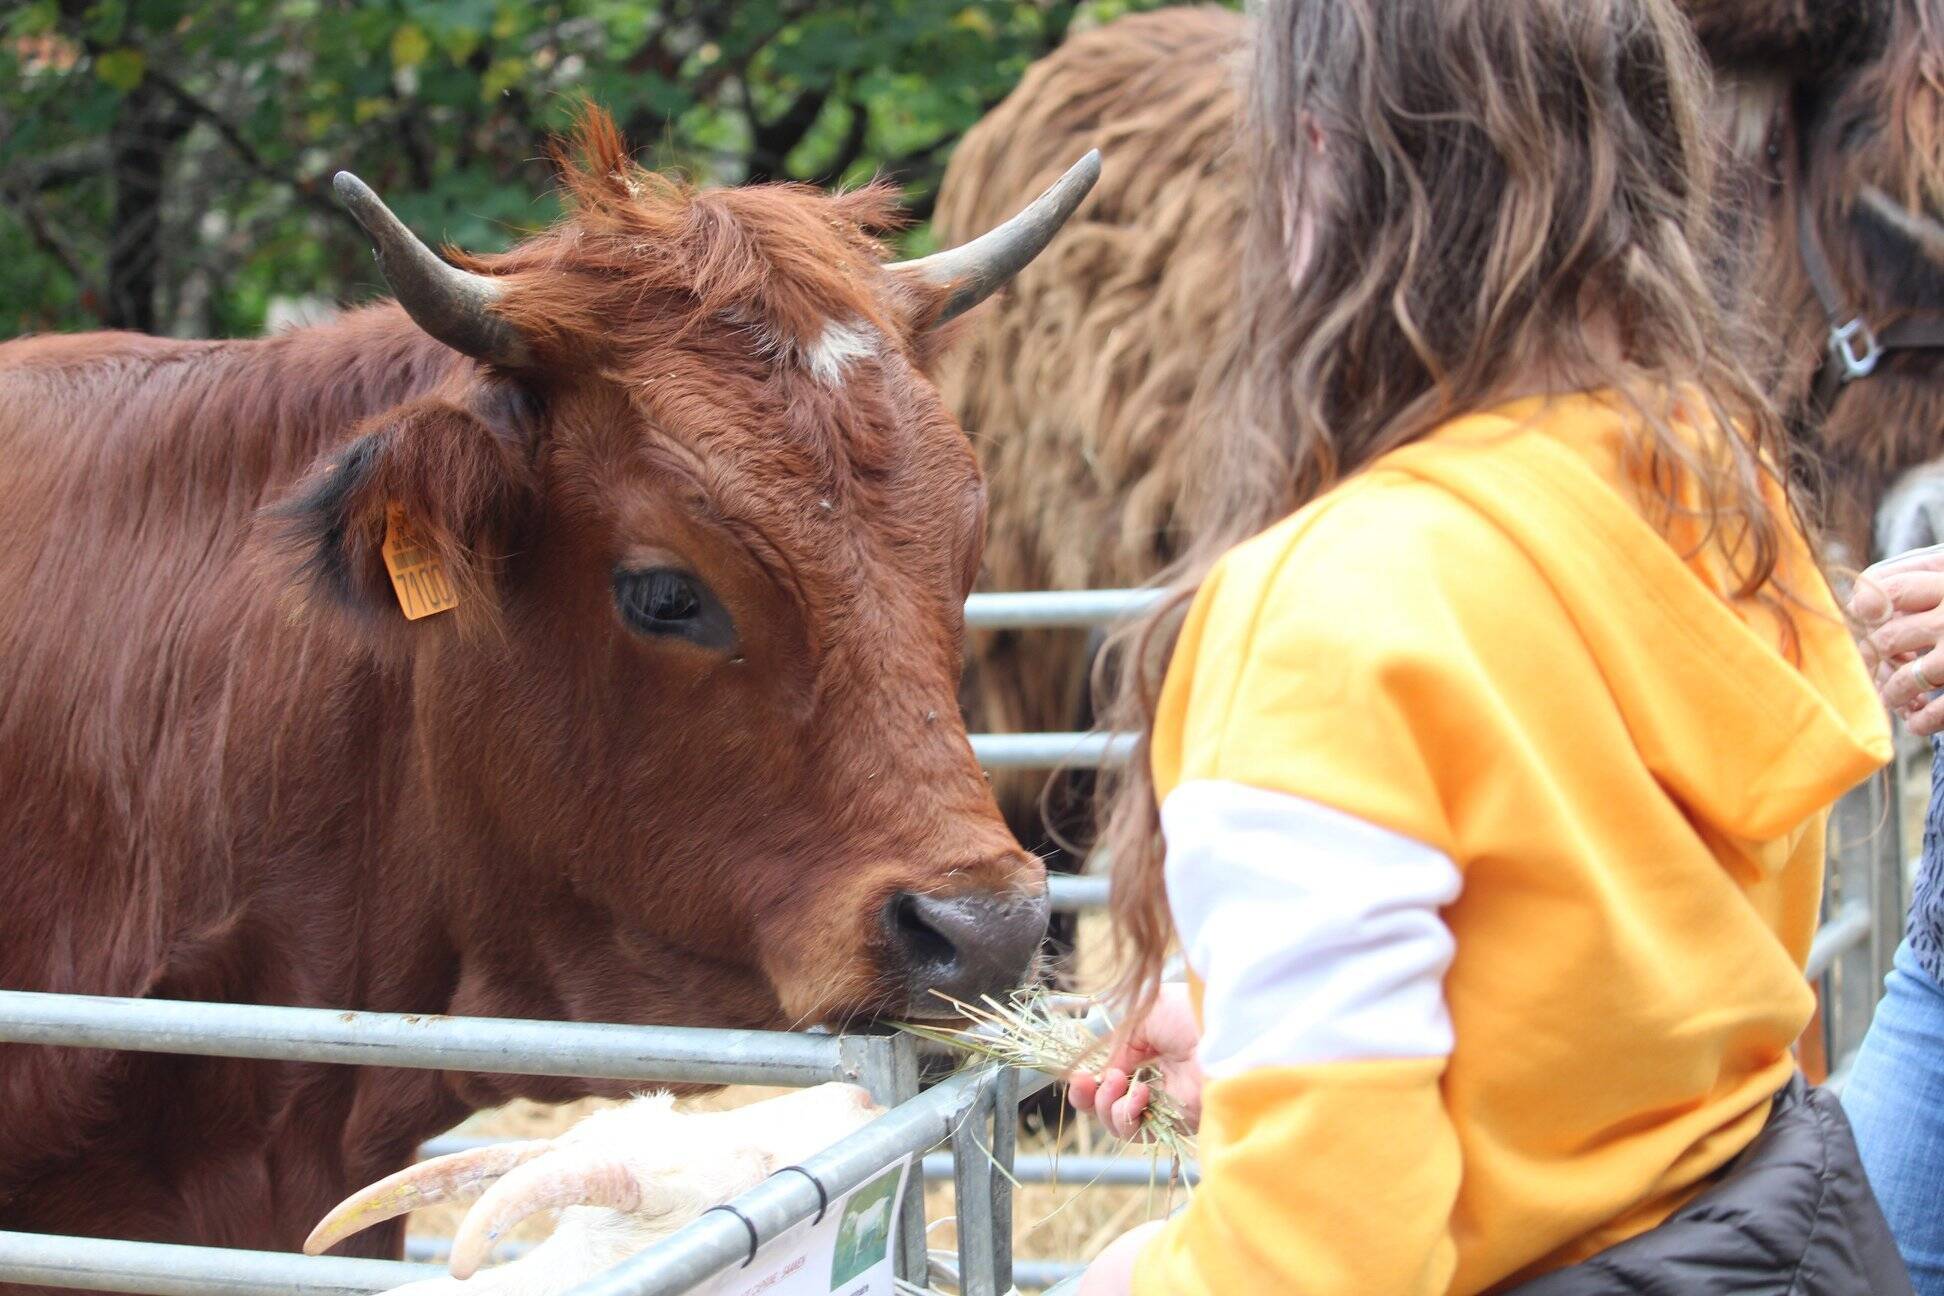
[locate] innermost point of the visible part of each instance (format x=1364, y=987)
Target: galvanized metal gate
x=973, y=1113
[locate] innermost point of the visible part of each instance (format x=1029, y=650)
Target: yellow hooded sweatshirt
x=1494, y=843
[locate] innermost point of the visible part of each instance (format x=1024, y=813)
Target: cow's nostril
x=916, y=922
x=963, y=947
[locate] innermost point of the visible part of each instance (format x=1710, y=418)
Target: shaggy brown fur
x=1879, y=124
x=226, y=784
x=1077, y=386
x=1801, y=37
x=1074, y=388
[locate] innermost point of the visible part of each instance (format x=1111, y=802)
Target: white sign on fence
x=847, y=1253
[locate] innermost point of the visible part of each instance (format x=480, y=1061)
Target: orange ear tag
x=417, y=573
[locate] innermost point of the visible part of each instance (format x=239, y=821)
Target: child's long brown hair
x=1486, y=183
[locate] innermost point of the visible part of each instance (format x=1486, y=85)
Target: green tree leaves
x=445, y=106
x=121, y=68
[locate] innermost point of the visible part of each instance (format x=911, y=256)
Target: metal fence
x=973, y=1112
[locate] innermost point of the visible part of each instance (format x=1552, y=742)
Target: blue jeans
x=1895, y=1099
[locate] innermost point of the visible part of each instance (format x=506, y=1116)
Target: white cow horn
x=570, y=1177
x=458, y=1177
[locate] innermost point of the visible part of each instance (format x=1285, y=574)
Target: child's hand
x=1901, y=600
x=1166, y=1037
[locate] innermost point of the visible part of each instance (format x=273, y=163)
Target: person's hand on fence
x=1167, y=1037
x=1900, y=601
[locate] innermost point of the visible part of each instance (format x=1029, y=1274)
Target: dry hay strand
x=1030, y=1029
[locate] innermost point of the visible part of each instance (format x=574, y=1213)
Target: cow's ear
x=447, y=486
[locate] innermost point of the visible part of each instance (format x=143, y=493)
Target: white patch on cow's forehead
x=838, y=346
x=840, y=343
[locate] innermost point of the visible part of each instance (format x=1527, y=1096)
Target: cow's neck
x=545, y=953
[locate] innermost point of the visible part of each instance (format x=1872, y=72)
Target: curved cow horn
x=461, y=1177
x=570, y=1177
x=976, y=270
x=453, y=305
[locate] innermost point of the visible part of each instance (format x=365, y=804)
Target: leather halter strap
x=1855, y=347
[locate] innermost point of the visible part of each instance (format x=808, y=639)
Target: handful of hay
x=1030, y=1030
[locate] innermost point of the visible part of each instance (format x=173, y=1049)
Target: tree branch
x=144, y=134
x=772, y=141
x=244, y=150
x=30, y=213
x=59, y=170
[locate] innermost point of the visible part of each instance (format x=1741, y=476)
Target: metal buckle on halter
x=1842, y=344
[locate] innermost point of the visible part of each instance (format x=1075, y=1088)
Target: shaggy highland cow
x=1079, y=414
x=1077, y=387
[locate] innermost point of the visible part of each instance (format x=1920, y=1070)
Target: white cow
x=625, y=1177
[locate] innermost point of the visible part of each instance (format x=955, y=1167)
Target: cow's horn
x=976, y=270
x=570, y=1177
x=453, y=305
x=460, y=1177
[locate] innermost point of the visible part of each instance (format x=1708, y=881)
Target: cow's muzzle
x=964, y=947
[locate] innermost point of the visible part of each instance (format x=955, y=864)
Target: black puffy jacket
x=1793, y=1215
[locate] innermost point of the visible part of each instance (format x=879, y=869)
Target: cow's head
x=1874, y=158
x=710, y=530
x=1840, y=110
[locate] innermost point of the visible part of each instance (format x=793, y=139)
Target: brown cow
x=686, y=751
x=1078, y=387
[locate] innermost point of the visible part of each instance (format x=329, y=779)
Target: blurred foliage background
x=165, y=164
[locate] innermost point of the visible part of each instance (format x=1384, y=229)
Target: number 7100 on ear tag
x=418, y=575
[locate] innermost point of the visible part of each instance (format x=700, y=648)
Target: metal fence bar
x=1081, y=1171
x=161, y=1269
x=1889, y=888
x=982, y=1156
x=439, y=1249
x=716, y=1241
x=1005, y=1145
x=1049, y=1275
x=670, y=1054
x=892, y=1078
x=1051, y=609
x=1067, y=1286
x=719, y=1240
x=1864, y=832
x=1847, y=928
x=1028, y=1275
x=973, y=1198
x=1033, y=1168
x=1067, y=891
x=1048, y=750
x=943, y=1264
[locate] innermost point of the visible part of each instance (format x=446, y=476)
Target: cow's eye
x=664, y=596
x=664, y=601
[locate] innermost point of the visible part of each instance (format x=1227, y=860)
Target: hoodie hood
x=1751, y=742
